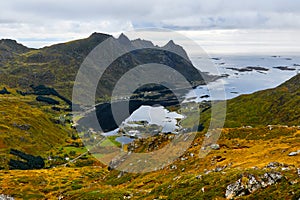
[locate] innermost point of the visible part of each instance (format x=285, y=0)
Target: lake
x=262, y=76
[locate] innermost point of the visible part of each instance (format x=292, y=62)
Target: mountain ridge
x=57, y=65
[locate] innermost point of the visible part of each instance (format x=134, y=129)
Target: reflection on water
x=147, y=121
x=124, y=139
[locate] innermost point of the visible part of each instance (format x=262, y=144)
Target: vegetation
x=29, y=126
x=193, y=178
x=57, y=65
x=35, y=135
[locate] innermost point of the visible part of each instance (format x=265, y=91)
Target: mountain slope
x=57, y=65
x=10, y=48
x=28, y=126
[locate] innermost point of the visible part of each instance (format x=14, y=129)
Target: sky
x=218, y=26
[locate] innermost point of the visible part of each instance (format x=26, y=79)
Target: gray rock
x=271, y=178
x=285, y=169
x=219, y=168
x=253, y=184
x=249, y=184
x=199, y=177
x=183, y=158
x=173, y=167
x=235, y=189
x=273, y=165
x=207, y=171
x=215, y=146
x=127, y=196
x=207, y=135
x=121, y=174
x=5, y=197
x=294, y=153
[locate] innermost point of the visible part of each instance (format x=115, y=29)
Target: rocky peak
x=171, y=43
x=12, y=46
x=171, y=46
x=139, y=43
x=8, y=41
x=123, y=39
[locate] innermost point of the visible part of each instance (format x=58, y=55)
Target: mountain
x=277, y=106
x=10, y=48
x=139, y=43
x=124, y=40
x=171, y=46
x=57, y=65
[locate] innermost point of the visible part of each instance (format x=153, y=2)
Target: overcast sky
x=219, y=26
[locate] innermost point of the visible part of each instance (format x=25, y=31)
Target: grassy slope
x=43, y=134
x=242, y=152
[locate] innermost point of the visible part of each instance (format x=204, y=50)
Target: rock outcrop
x=5, y=197
x=249, y=183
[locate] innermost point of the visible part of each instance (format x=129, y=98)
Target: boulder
x=270, y=178
x=215, y=146
x=235, y=189
x=250, y=183
x=294, y=153
x=273, y=165
x=5, y=197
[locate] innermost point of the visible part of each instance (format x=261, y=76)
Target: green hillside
x=54, y=66
x=29, y=126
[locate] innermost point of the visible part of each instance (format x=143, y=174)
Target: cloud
x=170, y=13
x=245, y=41
x=39, y=23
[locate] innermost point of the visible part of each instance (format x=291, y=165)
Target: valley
x=44, y=153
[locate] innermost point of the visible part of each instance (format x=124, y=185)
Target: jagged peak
x=123, y=37
x=171, y=42
x=171, y=45
x=124, y=40
x=140, y=43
